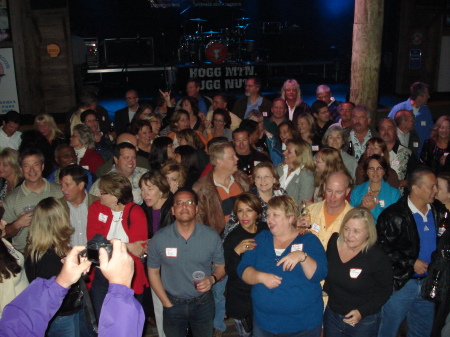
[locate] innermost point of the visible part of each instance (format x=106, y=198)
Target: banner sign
x=221, y=78
x=8, y=89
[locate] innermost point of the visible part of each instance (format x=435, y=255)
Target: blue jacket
x=296, y=304
x=29, y=313
x=423, y=122
x=388, y=194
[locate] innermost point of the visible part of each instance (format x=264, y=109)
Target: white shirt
x=116, y=230
x=285, y=179
x=403, y=137
x=12, y=142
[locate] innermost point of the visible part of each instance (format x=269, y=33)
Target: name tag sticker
x=395, y=163
x=315, y=147
x=255, y=162
x=102, y=217
x=381, y=203
x=171, y=252
x=265, y=114
x=415, y=144
x=85, y=167
x=315, y=227
x=354, y=273
x=297, y=246
x=423, y=123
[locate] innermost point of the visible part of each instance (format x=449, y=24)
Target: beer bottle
x=305, y=212
x=444, y=225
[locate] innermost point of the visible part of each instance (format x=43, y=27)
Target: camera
x=93, y=246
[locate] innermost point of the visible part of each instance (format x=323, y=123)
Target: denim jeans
x=198, y=312
x=218, y=291
x=65, y=326
x=408, y=303
x=334, y=326
x=240, y=329
x=258, y=332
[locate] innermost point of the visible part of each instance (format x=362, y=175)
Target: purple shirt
x=156, y=216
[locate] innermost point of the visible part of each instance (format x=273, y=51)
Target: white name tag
x=423, y=123
x=354, y=273
x=102, y=217
x=381, y=203
x=415, y=144
x=395, y=163
x=297, y=246
x=265, y=114
x=255, y=162
x=85, y=167
x=171, y=252
x=315, y=147
x=315, y=227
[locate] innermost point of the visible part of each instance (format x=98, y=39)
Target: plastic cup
x=28, y=209
x=198, y=277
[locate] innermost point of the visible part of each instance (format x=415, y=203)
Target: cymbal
x=210, y=32
x=242, y=19
x=198, y=20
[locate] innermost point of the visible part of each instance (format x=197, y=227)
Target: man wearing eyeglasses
x=252, y=100
x=174, y=254
x=124, y=116
x=406, y=133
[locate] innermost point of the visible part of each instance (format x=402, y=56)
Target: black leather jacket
x=399, y=238
x=166, y=217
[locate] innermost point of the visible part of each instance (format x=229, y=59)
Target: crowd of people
x=293, y=220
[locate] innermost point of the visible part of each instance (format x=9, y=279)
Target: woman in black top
x=49, y=242
x=248, y=210
x=436, y=149
x=359, y=280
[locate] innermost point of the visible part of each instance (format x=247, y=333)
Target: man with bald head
x=327, y=215
x=406, y=133
x=124, y=116
x=123, y=138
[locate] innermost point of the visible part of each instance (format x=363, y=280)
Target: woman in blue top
x=375, y=194
x=285, y=270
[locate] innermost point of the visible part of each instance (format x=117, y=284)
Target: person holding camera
x=116, y=216
x=48, y=243
x=28, y=314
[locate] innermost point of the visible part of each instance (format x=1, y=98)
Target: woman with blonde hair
x=175, y=175
x=436, y=149
x=359, y=279
x=307, y=130
x=46, y=125
x=326, y=161
x=49, y=242
x=296, y=172
x=292, y=94
x=10, y=172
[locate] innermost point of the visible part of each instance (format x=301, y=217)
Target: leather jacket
x=166, y=217
x=399, y=238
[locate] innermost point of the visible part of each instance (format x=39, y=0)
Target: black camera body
x=93, y=246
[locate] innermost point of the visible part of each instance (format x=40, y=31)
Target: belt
x=418, y=277
x=174, y=300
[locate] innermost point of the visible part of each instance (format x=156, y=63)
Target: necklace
x=373, y=191
x=117, y=219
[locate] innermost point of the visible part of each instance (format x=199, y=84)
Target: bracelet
x=215, y=279
x=306, y=256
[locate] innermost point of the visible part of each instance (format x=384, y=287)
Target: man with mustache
x=360, y=131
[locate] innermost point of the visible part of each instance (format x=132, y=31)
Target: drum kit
x=228, y=45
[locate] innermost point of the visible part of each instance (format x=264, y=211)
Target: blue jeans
x=218, y=291
x=198, y=312
x=258, y=332
x=66, y=326
x=334, y=326
x=408, y=303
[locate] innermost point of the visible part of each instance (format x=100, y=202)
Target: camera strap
x=89, y=307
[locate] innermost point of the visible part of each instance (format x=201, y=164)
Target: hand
x=72, y=268
x=442, y=159
x=352, y=318
x=368, y=202
x=291, y=260
x=270, y=280
x=137, y=248
x=166, y=96
x=120, y=268
x=244, y=245
x=205, y=285
x=420, y=267
x=208, y=125
x=303, y=224
x=173, y=186
x=24, y=220
x=268, y=134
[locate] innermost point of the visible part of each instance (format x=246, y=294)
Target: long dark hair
x=8, y=263
x=158, y=152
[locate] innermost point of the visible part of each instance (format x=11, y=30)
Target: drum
x=216, y=52
x=191, y=48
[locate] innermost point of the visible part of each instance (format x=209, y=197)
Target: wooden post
x=366, y=54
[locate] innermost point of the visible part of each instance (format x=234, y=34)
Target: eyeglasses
x=91, y=120
x=186, y=202
x=131, y=97
x=103, y=192
x=263, y=178
x=373, y=169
